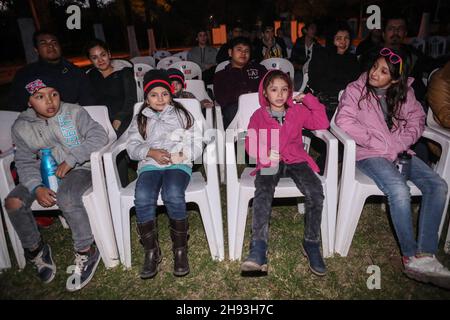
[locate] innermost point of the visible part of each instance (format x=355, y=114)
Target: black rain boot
x=179, y=235
x=148, y=234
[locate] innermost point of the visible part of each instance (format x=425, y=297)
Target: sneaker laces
x=40, y=263
x=80, y=260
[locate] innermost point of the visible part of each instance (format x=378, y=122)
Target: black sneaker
x=44, y=264
x=83, y=271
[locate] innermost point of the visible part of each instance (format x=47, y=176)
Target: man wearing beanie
x=73, y=83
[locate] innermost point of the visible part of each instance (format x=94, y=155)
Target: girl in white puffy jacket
x=165, y=140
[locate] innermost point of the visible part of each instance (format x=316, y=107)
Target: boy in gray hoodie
x=72, y=136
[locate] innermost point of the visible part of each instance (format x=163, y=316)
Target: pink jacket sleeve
x=316, y=118
x=346, y=118
x=408, y=133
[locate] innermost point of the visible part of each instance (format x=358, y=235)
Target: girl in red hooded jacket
x=274, y=139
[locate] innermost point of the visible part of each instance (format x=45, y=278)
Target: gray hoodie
x=71, y=133
x=164, y=131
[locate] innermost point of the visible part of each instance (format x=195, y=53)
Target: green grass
x=288, y=278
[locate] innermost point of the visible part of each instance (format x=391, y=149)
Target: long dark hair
x=397, y=92
x=179, y=109
x=277, y=74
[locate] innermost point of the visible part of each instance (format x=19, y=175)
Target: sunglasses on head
x=393, y=57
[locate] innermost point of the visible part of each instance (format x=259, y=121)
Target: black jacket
x=330, y=72
x=117, y=91
x=72, y=83
x=298, y=55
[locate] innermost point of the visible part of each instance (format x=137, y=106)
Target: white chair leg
x=301, y=207
x=348, y=216
x=208, y=224
x=126, y=237
x=63, y=222
x=15, y=243
x=216, y=216
x=447, y=241
x=240, y=226
x=5, y=261
x=232, y=214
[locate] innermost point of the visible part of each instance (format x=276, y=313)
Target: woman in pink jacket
x=380, y=112
x=274, y=139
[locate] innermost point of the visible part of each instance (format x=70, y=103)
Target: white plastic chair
x=279, y=64
x=356, y=187
x=161, y=54
x=437, y=46
x=197, y=88
x=165, y=63
x=94, y=199
x=418, y=43
x=431, y=122
x=140, y=69
x=205, y=194
x=182, y=55
x=148, y=60
x=222, y=65
x=241, y=190
x=7, y=119
x=190, y=69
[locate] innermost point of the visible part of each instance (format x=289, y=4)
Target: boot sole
x=320, y=274
x=252, y=269
x=181, y=274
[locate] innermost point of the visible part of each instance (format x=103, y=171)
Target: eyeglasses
x=393, y=58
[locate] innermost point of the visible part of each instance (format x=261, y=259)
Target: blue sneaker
x=44, y=264
x=311, y=250
x=84, y=269
x=256, y=263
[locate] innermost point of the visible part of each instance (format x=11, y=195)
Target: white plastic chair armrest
x=331, y=163
x=348, y=163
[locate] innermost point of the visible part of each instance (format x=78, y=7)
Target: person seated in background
x=269, y=46
x=286, y=40
x=114, y=85
x=178, y=84
x=204, y=55
x=302, y=52
x=373, y=40
x=74, y=86
x=332, y=68
x=239, y=77
x=438, y=97
x=222, y=54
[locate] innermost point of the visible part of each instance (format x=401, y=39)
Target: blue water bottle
x=48, y=169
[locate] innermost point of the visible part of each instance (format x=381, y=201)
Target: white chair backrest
x=431, y=75
x=122, y=62
x=197, y=88
x=190, y=69
x=140, y=69
x=182, y=55
x=418, y=43
x=279, y=64
x=161, y=54
x=7, y=119
x=248, y=104
x=100, y=114
x=222, y=65
x=148, y=60
x=166, y=62
x=437, y=46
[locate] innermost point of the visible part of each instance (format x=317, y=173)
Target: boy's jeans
x=68, y=199
x=306, y=181
x=172, y=183
x=434, y=192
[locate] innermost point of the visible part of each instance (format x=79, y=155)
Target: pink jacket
x=265, y=133
x=366, y=124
